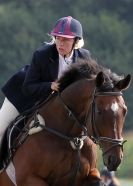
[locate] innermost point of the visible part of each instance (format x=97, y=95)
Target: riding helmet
x=68, y=27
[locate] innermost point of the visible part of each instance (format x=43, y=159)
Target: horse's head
x=95, y=99
x=107, y=119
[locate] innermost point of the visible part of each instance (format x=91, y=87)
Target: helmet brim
x=62, y=35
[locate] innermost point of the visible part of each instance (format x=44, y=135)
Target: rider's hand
x=55, y=86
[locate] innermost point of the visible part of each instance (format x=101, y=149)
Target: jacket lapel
x=53, y=63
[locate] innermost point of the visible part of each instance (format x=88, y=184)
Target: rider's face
x=64, y=45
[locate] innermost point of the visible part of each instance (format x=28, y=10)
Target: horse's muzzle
x=112, y=162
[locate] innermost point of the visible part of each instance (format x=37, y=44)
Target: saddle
x=18, y=131
x=14, y=136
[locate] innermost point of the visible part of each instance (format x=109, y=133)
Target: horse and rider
x=86, y=107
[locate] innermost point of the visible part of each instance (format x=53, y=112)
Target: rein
x=71, y=114
x=76, y=142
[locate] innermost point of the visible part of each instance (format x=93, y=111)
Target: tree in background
x=107, y=31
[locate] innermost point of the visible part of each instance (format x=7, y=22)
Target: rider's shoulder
x=84, y=53
x=46, y=47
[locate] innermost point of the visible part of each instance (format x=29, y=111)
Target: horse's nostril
x=113, y=163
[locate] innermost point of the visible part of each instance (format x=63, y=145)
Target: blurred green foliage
x=125, y=169
x=107, y=26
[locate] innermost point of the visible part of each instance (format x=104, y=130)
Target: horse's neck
x=79, y=95
x=76, y=97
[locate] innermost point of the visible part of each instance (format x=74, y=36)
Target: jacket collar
x=53, y=61
x=54, y=57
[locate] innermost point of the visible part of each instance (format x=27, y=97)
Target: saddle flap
x=10, y=140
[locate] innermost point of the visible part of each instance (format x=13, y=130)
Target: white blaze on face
x=115, y=107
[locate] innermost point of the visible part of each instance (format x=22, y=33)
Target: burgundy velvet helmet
x=67, y=27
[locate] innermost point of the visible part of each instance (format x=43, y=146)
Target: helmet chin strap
x=68, y=54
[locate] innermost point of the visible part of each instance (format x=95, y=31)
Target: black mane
x=87, y=69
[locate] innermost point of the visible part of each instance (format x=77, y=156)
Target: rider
x=37, y=80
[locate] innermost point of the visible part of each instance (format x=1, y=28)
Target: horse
x=87, y=110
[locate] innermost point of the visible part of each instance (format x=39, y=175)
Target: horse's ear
x=99, y=79
x=124, y=83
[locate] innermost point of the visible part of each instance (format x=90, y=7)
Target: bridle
x=96, y=137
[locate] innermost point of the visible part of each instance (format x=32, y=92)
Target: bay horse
x=88, y=109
